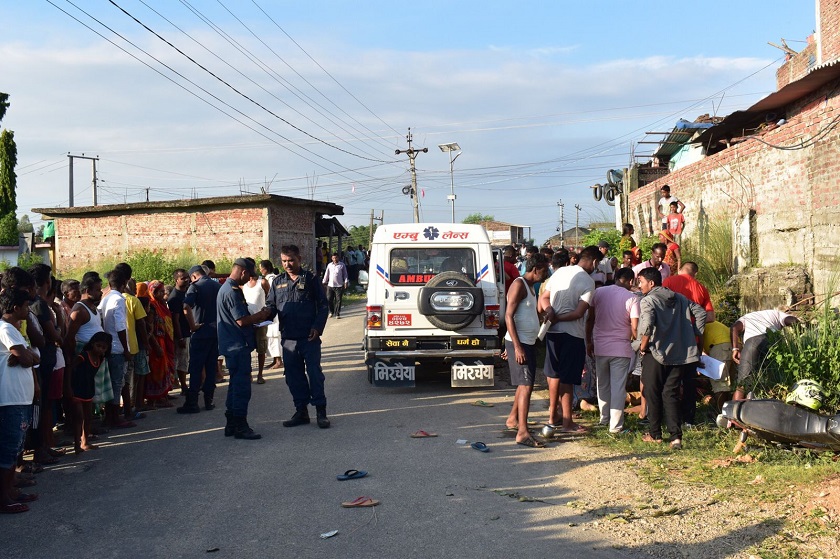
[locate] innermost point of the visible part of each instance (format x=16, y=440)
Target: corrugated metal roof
x=740, y=123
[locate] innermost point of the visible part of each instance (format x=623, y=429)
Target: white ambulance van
x=435, y=297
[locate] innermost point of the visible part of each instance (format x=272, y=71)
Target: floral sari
x=162, y=367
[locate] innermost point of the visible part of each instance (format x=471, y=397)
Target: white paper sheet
x=543, y=330
x=712, y=368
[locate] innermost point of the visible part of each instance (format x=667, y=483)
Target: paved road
x=175, y=487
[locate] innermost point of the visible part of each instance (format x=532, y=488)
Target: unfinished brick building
x=773, y=171
x=254, y=225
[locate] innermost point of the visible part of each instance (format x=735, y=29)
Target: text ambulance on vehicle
x=435, y=295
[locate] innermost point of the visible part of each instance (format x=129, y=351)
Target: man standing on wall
x=297, y=298
x=664, y=205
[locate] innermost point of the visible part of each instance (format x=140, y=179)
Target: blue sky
x=543, y=97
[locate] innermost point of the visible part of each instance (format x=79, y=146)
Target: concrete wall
x=793, y=193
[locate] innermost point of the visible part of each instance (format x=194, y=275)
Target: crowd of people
x=113, y=347
x=605, y=322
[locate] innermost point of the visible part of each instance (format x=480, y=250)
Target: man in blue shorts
x=565, y=300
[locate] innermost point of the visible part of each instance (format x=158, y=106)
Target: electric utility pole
x=93, y=160
x=412, y=155
x=562, y=227
x=380, y=219
x=577, y=226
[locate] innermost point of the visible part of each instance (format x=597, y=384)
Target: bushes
x=149, y=265
x=613, y=237
x=811, y=351
x=9, y=230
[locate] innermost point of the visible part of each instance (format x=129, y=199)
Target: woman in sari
x=673, y=258
x=161, y=348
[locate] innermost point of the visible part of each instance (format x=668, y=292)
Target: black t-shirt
x=44, y=314
x=176, y=307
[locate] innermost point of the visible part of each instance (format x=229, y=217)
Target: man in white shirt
x=665, y=205
x=565, y=300
x=336, y=280
x=112, y=309
x=753, y=327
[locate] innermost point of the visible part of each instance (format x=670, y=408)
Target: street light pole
x=450, y=148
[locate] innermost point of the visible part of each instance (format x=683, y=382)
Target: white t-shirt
x=665, y=206
x=759, y=322
x=112, y=309
x=17, y=387
x=567, y=287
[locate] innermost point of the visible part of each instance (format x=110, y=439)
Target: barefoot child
x=83, y=387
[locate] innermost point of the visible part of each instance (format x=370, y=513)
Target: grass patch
x=707, y=458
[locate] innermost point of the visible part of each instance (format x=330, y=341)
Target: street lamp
x=450, y=148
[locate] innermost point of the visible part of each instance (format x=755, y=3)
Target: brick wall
x=794, y=193
x=796, y=66
x=292, y=226
x=231, y=233
x=829, y=30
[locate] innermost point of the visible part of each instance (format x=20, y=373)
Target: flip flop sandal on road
x=422, y=435
x=531, y=443
x=13, y=508
x=351, y=474
x=26, y=497
x=360, y=502
x=482, y=404
x=480, y=446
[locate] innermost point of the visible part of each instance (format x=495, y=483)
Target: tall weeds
x=811, y=350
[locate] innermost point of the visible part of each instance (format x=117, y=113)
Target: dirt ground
x=685, y=520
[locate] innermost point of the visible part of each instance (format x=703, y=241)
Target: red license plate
x=399, y=320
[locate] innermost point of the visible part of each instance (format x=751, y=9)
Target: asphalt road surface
x=176, y=487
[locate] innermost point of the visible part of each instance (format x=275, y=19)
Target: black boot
x=301, y=417
x=229, y=425
x=321, y=415
x=190, y=405
x=208, y=403
x=242, y=430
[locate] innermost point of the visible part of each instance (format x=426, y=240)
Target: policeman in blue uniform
x=297, y=298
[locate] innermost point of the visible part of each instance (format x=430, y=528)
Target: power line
x=374, y=135
x=169, y=78
x=327, y=73
x=234, y=89
x=237, y=70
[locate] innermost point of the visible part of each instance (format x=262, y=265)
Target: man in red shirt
x=509, y=261
x=686, y=284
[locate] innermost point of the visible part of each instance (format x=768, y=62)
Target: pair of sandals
x=676, y=444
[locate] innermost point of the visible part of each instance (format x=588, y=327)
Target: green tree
x=8, y=180
x=613, y=237
x=4, y=104
x=360, y=235
x=9, y=230
x=477, y=218
x=24, y=225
